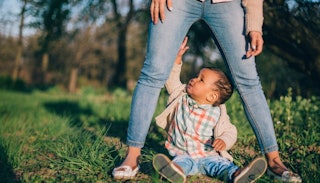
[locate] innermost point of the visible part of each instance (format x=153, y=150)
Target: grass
x=53, y=136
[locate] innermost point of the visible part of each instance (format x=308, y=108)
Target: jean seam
x=249, y=112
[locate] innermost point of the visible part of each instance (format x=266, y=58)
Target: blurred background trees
x=102, y=43
x=291, y=32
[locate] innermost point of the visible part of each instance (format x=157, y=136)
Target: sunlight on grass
x=58, y=137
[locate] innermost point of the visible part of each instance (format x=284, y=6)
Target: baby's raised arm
x=182, y=50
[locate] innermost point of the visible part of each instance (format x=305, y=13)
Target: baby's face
x=199, y=87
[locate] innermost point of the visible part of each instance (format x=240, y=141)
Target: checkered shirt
x=191, y=129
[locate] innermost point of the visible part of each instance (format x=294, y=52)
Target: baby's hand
x=219, y=145
x=182, y=50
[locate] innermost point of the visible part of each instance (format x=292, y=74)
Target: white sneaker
x=125, y=172
x=287, y=176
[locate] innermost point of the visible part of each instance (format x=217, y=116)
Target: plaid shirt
x=191, y=129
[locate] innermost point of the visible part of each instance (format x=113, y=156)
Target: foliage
x=7, y=83
x=291, y=31
x=58, y=137
x=276, y=81
x=295, y=124
x=103, y=44
x=51, y=17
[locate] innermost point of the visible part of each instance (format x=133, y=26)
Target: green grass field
x=54, y=136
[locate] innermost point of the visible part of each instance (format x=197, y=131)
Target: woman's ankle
x=132, y=158
x=133, y=163
x=275, y=164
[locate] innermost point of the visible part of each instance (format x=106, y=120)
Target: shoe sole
x=123, y=178
x=163, y=165
x=252, y=172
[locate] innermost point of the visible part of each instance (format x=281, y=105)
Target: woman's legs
x=228, y=29
x=163, y=45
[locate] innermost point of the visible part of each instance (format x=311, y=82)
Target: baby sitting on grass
x=199, y=129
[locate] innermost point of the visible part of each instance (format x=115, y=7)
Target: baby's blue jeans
x=213, y=166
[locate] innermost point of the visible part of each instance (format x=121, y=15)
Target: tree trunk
x=120, y=77
x=45, y=62
x=17, y=64
x=73, y=80
x=18, y=60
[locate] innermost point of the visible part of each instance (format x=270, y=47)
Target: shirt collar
x=194, y=104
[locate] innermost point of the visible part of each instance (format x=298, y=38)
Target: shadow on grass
x=6, y=171
x=75, y=111
x=19, y=85
x=68, y=108
x=115, y=129
x=119, y=129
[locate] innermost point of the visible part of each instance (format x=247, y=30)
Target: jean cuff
x=135, y=144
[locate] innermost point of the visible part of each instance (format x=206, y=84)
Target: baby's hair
x=223, y=86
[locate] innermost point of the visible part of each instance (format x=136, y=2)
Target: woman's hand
x=157, y=9
x=182, y=50
x=256, y=44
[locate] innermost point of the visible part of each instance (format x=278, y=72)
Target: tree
x=291, y=31
x=201, y=47
x=18, y=60
x=51, y=17
x=122, y=24
x=121, y=13
x=91, y=55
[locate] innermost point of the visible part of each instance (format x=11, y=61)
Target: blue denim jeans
x=213, y=166
x=226, y=21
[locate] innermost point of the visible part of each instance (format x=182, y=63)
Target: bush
x=9, y=84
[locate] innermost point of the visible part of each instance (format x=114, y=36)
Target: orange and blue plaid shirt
x=191, y=129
